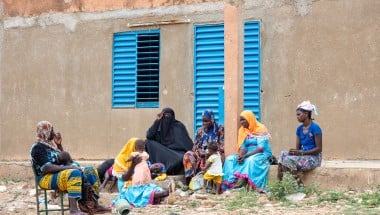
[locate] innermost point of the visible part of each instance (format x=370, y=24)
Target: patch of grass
x=313, y=188
x=245, y=199
x=279, y=189
x=332, y=196
x=194, y=204
x=369, y=199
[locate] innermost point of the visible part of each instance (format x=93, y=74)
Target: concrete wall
x=57, y=66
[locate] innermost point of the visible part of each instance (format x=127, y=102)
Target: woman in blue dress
x=308, y=152
x=251, y=165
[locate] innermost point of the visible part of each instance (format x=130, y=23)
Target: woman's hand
x=160, y=115
x=295, y=152
x=135, y=160
x=57, y=138
x=241, y=158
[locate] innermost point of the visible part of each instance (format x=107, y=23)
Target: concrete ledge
x=332, y=175
x=342, y=175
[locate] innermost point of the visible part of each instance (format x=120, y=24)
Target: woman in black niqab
x=167, y=141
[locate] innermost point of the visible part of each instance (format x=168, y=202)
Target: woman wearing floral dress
x=195, y=160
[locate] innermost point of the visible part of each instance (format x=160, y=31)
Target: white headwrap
x=306, y=105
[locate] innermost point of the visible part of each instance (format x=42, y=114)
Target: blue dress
x=138, y=195
x=254, y=168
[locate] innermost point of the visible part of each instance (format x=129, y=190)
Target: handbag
x=196, y=182
x=273, y=160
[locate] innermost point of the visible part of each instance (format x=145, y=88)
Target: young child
x=108, y=177
x=142, y=171
x=213, y=167
x=65, y=159
x=158, y=171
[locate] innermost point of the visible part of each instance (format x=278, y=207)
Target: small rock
x=183, y=194
x=295, y=197
x=32, y=192
x=2, y=188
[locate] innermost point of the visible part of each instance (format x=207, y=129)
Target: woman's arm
x=53, y=168
x=58, y=140
x=314, y=151
x=128, y=174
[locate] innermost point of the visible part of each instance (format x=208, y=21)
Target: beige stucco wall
x=57, y=66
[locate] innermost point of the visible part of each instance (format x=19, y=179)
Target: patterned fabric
x=254, y=168
x=44, y=129
x=192, y=160
x=300, y=163
x=43, y=153
x=69, y=180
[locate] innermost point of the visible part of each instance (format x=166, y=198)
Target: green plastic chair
x=38, y=200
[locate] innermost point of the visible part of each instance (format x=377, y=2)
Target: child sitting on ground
x=108, y=177
x=213, y=167
x=142, y=171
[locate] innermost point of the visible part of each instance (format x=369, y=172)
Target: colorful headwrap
x=43, y=131
x=306, y=105
x=120, y=165
x=210, y=116
x=255, y=127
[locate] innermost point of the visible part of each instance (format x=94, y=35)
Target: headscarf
x=207, y=135
x=166, y=123
x=43, y=131
x=255, y=127
x=213, y=130
x=306, y=105
x=120, y=165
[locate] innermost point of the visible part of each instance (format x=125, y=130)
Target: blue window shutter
x=252, y=86
x=208, y=71
x=124, y=70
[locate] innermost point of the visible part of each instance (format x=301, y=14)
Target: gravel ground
x=19, y=198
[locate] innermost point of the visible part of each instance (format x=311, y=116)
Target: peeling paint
x=70, y=20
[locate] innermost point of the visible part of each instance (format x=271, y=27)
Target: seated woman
x=251, y=164
x=137, y=194
x=121, y=165
x=210, y=131
x=68, y=178
x=167, y=142
x=308, y=152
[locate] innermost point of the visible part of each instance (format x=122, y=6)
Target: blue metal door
x=209, y=70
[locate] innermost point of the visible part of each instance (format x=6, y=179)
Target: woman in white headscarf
x=308, y=152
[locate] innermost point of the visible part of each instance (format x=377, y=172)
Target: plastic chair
x=38, y=200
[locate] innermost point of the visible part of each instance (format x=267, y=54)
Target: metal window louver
x=252, y=82
x=135, y=76
x=208, y=70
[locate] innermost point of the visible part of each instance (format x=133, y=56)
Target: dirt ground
x=19, y=198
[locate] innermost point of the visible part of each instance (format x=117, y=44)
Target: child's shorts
x=215, y=178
